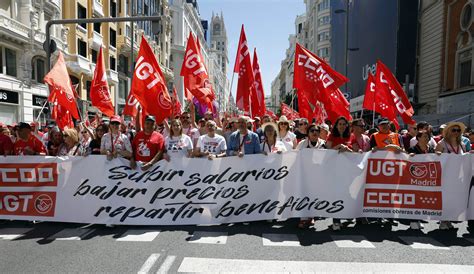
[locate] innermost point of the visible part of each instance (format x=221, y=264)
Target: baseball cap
x=116, y=118
x=150, y=118
x=22, y=125
x=324, y=126
x=383, y=121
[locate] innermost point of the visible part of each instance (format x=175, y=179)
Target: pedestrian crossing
x=144, y=235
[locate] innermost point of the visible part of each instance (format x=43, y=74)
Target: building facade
x=445, y=68
x=219, y=60
x=22, y=58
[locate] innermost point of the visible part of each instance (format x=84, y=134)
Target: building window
x=112, y=63
x=300, y=28
x=113, y=38
x=82, y=48
x=123, y=64
x=88, y=89
x=146, y=10
x=82, y=13
x=323, y=36
x=120, y=6
x=10, y=62
x=122, y=88
x=94, y=55
x=323, y=53
x=216, y=29
x=324, y=20
x=97, y=27
x=113, y=9
x=324, y=5
x=38, y=65
x=465, y=69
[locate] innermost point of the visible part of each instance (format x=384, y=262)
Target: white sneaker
x=336, y=226
x=445, y=225
x=416, y=225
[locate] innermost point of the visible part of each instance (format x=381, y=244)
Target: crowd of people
x=183, y=136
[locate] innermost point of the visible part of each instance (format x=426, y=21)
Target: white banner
x=308, y=183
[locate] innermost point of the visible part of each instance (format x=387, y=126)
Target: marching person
x=271, y=144
x=27, y=143
x=114, y=143
x=301, y=131
x=384, y=139
x=243, y=141
x=6, y=144
x=94, y=145
x=265, y=119
x=148, y=145
x=324, y=131
x=340, y=136
x=285, y=135
x=211, y=145
x=55, y=141
x=312, y=141
x=71, y=145
x=177, y=144
x=359, y=141
x=188, y=127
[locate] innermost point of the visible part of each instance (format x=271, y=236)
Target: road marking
x=351, y=241
x=138, y=235
x=12, y=233
x=224, y=265
x=148, y=264
x=205, y=237
x=71, y=234
x=280, y=240
x=165, y=267
x=423, y=242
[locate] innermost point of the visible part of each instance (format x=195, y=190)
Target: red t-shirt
x=32, y=143
x=6, y=144
x=145, y=147
x=339, y=140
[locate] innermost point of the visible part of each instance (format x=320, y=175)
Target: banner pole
x=231, y=85
x=41, y=110
x=373, y=115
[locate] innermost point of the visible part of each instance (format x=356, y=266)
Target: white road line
x=224, y=265
x=12, y=233
x=204, y=237
x=166, y=265
x=423, y=243
x=148, y=264
x=280, y=240
x=138, y=235
x=351, y=241
x=71, y=234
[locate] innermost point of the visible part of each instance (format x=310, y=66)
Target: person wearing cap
x=423, y=126
x=211, y=145
x=27, y=143
x=6, y=144
x=148, y=145
x=285, y=135
x=243, y=141
x=438, y=137
x=256, y=124
x=114, y=143
x=177, y=144
x=324, y=131
x=384, y=139
x=271, y=144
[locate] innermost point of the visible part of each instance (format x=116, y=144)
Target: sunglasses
x=313, y=130
x=115, y=123
x=303, y=124
x=65, y=135
x=185, y=117
x=456, y=130
x=84, y=132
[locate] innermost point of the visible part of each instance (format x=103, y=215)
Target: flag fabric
x=258, y=95
x=369, y=97
x=99, y=92
x=196, y=77
x=59, y=113
x=60, y=87
x=177, y=104
x=271, y=114
x=319, y=84
x=378, y=100
x=388, y=82
x=149, y=86
x=288, y=112
x=243, y=66
x=131, y=106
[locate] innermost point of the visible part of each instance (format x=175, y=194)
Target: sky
x=268, y=23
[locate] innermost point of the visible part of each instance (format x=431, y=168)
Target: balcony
x=95, y=42
x=14, y=29
x=112, y=76
x=97, y=8
x=54, y=3
x=124, y=45
x=79, y=64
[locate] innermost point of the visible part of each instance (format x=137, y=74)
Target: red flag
x=369, y=98
x=336, y=105
x=386, y=80
x=258, y=95
x=60, y=114
x=272, y=115
x=177, y=104
x=149, y=86
x=131, y=106
x=243, y=67
x=196, y=78
x=60, y=84
x=288, y=112
x=377, y=100
x=100, y=96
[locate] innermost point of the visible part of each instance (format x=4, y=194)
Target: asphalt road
x=253, y=247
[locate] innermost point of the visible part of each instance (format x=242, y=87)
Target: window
x=324, y=5
x=122, y=88
x=324, y=20
x=113, y=38
x=112, y=63
x=113, y=9
x=94, y=55
x=10, y=62
x=466, y=16
x=120, y=6
x=323, y=53
x=88, y=88
x=145, y=9
x=38, y=65
x=81, y=13
x=97, y=27
x=82, y=48
x=300, y=27
x=464, y=68
x=216, y=29
x=123, y=64
x=323, y=36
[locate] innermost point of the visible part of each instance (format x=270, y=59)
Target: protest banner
x=307, y=183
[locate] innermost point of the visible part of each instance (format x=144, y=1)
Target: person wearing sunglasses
x=301, y=131
x=211, y=145
x=71, y=145
x=313, y=141
x=359, y=141
x=94, y=145
x=187, y=121
x=243, y=141
x=148, y=145
x=114, y=143
x=271, y=144
x=285, y=135
x=385, y=139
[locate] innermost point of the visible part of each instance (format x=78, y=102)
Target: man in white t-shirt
x=211, y=145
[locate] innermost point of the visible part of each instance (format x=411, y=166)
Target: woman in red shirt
x=340, y=138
